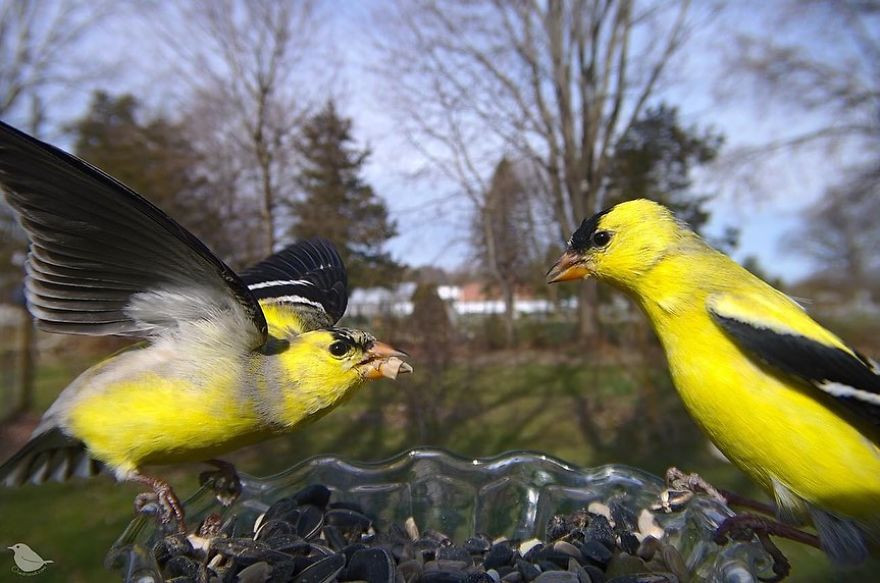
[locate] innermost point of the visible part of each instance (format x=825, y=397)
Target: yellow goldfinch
x=231, y=360
x=782, y=397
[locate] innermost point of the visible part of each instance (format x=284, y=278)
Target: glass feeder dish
x=514, y=495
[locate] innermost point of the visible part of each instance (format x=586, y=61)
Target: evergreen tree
x=338, y=205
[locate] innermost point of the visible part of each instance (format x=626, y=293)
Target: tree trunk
x=588, y=303
x=264, y=160
x=266, y=212
x=509, y=313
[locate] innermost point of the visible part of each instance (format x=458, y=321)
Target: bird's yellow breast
x=164, y=405
x=151, y=418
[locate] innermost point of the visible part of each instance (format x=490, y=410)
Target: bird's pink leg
x=745, y=526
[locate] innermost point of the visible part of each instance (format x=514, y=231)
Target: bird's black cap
x=582, y=238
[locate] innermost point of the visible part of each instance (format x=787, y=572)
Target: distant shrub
x=545, y=334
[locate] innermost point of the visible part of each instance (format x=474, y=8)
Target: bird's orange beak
x=383, y=361
x=569, y=266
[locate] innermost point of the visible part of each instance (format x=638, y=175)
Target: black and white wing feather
x=792, y=343
x=103, y=260
x=308, y=278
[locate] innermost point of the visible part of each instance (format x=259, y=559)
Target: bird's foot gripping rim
x=224, y=481
x=685, y=485
x=745, y=526
x=162, y=502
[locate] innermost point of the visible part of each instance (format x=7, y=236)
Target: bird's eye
x=601, y=238
x=339, y=348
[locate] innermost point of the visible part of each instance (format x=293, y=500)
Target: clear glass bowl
x=513, y=495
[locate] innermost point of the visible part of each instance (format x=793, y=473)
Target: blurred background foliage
x=511, y=122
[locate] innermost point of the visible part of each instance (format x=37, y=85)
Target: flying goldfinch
x=782, y=397
x=230, y=360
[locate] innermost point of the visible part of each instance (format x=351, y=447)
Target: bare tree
x=244, y=59
x=823, y=58
x=38, y=39
x=39, y=42
x=840, y=232
x=555, y=83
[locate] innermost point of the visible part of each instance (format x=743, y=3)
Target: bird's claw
x=677, y=480
x=224, y=481
x=161, y=503
x=781, y=565
x=147, y=503
x=164, y=506
x=679, y=483
x=681, y=488
x=743, y=527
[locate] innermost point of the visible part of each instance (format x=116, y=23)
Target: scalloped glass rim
x=512, y=494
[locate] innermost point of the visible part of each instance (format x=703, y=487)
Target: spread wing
x=306, y=282
x=103, y=260
x=781, y=335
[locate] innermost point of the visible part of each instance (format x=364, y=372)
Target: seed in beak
x=394, y=366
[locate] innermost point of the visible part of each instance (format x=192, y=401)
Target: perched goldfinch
x=782, y=397
x=230, y=360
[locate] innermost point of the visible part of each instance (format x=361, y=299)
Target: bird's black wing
x=308, y=278
x=103, y=260
x=803, y=350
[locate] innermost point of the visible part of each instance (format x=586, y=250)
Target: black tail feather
x=49, y=456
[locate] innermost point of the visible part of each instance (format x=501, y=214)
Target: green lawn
x=585, y=415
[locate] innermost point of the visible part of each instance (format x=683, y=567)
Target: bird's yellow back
x=283, y=322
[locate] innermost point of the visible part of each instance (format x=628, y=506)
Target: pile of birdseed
x=306, y=538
